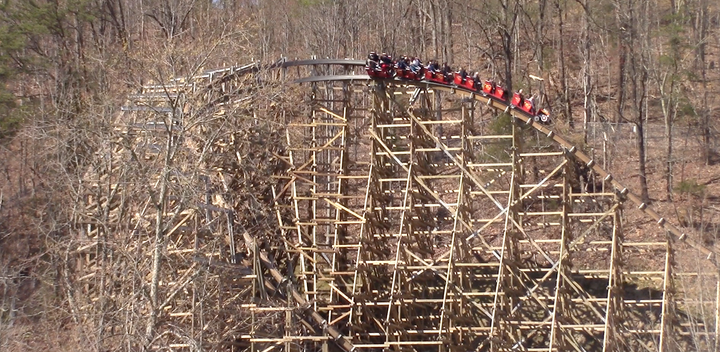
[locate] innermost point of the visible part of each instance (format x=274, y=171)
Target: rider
x=373, y=60
x=462, y=73
x=402, y=63
x=447, y=71
x=476, y=78
x=373, y=56
x=432, y=66
x=386, y=59
x=416, y=65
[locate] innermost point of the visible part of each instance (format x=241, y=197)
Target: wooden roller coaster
x=415, y=216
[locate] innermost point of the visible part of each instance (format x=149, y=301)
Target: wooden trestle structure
x=415, y=219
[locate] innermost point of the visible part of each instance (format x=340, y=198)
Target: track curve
x=522, y=117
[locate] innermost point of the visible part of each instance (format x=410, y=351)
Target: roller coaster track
x=496, y=104
x=405, y=237
x=523, y=117
x=519, y=118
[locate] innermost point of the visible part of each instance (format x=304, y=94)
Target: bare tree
x=564, y=84
x=666, y=73
x=586, y=48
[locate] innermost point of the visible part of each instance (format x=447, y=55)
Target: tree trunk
x=540, y=36
x=447, y=44
x=620, y=13
x=434, y=28
x=567, y=111
x=644, y=44
x=644, y=194
x=700, y=29
x=509, y=17
x=706, y=132
x=669, y=98
x=587, y=79
x=159, y=249
x=669, y=160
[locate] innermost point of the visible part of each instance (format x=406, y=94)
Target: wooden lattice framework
x=414, y=217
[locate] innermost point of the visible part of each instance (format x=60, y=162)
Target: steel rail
x=334, y=78
x=523, y=117
x=311, y=62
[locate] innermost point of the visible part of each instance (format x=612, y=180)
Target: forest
x=68, y=66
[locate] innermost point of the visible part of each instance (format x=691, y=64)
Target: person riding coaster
x=460, y=78
x=403, y=68
x=462, y=73
x=402, y=63
x=373, y=65
x=416, y=65
x=378, y=67
x=435, y=73
x=386, y=59
x=411, y=68
x=447, y=72
x=373, y=61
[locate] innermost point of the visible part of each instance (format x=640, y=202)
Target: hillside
x=158, y=194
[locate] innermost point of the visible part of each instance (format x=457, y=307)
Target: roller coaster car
x=517, y=100
x=543, y=115
x=437, y=77
x=528, y=106
x=383, y=71
x=409, y=74
x=464, y=82
x=492, y=89
x=523, y=104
